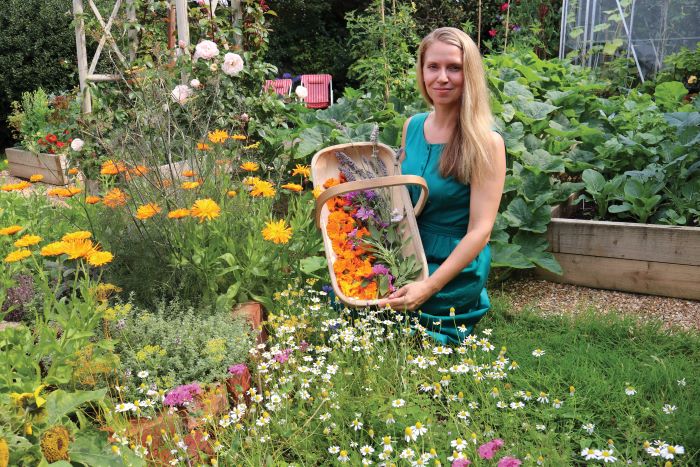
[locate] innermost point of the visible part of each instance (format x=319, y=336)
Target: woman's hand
x=409, y=297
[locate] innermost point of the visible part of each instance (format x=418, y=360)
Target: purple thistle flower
x=237, y=369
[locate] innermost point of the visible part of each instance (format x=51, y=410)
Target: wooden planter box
x=24, y=164
x=642, y=258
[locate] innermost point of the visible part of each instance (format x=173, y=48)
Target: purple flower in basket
x=350, y=196
x=378, y=269
x=182, y=395
x=364, y=214
x=237, y=369
x=370, y=194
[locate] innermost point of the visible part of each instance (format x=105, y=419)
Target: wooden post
x=132, y=34
x=237, y=18
x=82, y=55
x=183, y=26
x=171, y=30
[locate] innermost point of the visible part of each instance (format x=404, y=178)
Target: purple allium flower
x=237, y=369
x=379, y=268
x=182, y=395
x=509, y=461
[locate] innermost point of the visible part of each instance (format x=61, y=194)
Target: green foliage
x=176, y=344
x=682, y=66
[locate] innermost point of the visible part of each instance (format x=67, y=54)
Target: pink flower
x=181, y=93
x=504, y=6
x=492, y=32
x=461, y=463
x=233, y=64
x=237, y=369
x=206, y=49
x=488, y=450
x=509, y=462
x=283, y=356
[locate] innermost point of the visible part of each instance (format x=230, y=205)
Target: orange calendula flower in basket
x=250, y=166
x=36, y=178
x=17, y=255
x=73, y=171
x=100, y=258
x=218, y=136
x=293, y=187
x=277, y=232
x=92, y=199
x=331, y=182
x=53, y=249
x=11, y=230
x=190, y=185
x=239, y=137
x=147, y=211
x=179, y=213
x=205, y=209
x=188, y=173
x=303, y=170
x=114, y=198
x=203, y=147
x=27, y=240
x=263, y=188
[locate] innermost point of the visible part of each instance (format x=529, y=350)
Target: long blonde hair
x=466, y=156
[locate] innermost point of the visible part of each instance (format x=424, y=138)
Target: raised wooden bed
x=24, y=164
x=642, y=258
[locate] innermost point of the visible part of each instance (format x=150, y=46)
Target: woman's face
x=442, y=73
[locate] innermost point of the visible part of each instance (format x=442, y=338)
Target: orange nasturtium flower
x=263, y=188
x=250, y=166
x=36, y=178
x=303, y=170
x=205, y=209
x=277, y=231
x=92, y=199
x=17, y=255
x=27, y=240
x=11, y=230
x=190, y=185
x=114, y=198
x=147, y=211
x=179, y=213
x=239, y=137
x=218, y=136
x=293, y=187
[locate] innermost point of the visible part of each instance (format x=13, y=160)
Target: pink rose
x=233, y=64
x=206, y=50
x=181, y=93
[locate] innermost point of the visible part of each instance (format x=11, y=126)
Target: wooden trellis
x=86, y=73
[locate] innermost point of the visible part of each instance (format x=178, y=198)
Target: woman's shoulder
x=410, y=125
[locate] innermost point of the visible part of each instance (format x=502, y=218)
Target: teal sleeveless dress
x=450, y=315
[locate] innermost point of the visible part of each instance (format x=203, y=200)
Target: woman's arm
x=483, y=208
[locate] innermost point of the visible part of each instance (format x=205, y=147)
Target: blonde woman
x=463, y=161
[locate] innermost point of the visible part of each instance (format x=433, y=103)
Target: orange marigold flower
x=78, y=235
x=188, y=173
x=250, y=166
x=65, y=192
x=303, y=170
x=27, y=240
x=100, y=258
x=17, y=255
x=239, y=137
x=11, y=230
x=250, y=181
x=179, y=213
x=36, y=178
x=53, y=249
x=92, y=199
x=79, y=248
x=111, y=167
x=231, y=193
x=139, y=170
x=190, y=185
x=114, y=198
x=218, y=136
x=205, y=209
x=263, y=188
x=293, y=187
x=277, y=231
x=203, y=147
x=73, y=171
x=147, y=211
x=16, y=186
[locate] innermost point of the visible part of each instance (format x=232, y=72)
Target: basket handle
x=379, y=182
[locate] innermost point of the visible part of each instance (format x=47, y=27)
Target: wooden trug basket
x=324, y=165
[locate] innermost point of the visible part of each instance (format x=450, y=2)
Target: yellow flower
x=188, y=173
x=147, y=211
x=239, y=137
x=15, y=186
x=139, y=170
x=53, y=249
x=190, y=185
x=114, y=198
x=79, y=235
x=255, y=145
x=11, y=230
x=218, y=136
x=23, y=399
x=111, y=167
x=72, y=171
x=203, y=147
x=263, y=188
x=205, y=209
x=250, y=166
x=277, y=231
x=4, y=453
x=104, y=291
x=293, y=187
x=303, y=170
x=231, y=193
x=79, y=248
x=100, y=258
x=54, y=444
x=27, y=240
x=36, y=178
x=17, y=255
x=250, y=181
x=65, y=192
x=92, y=199
x=178, y=213
x=317, y=191
x=692, y=79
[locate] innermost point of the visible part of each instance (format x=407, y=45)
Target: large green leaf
x=534, y=248
x=91, y=447
x=669, y=94
x=541, y=161
x=60, y=403
x=513, y=137
x=508, y=255
x=520, y=214
x=533, y=109
x=514, y=89
x=311, y=140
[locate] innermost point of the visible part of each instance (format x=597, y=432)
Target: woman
x=463, y=162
